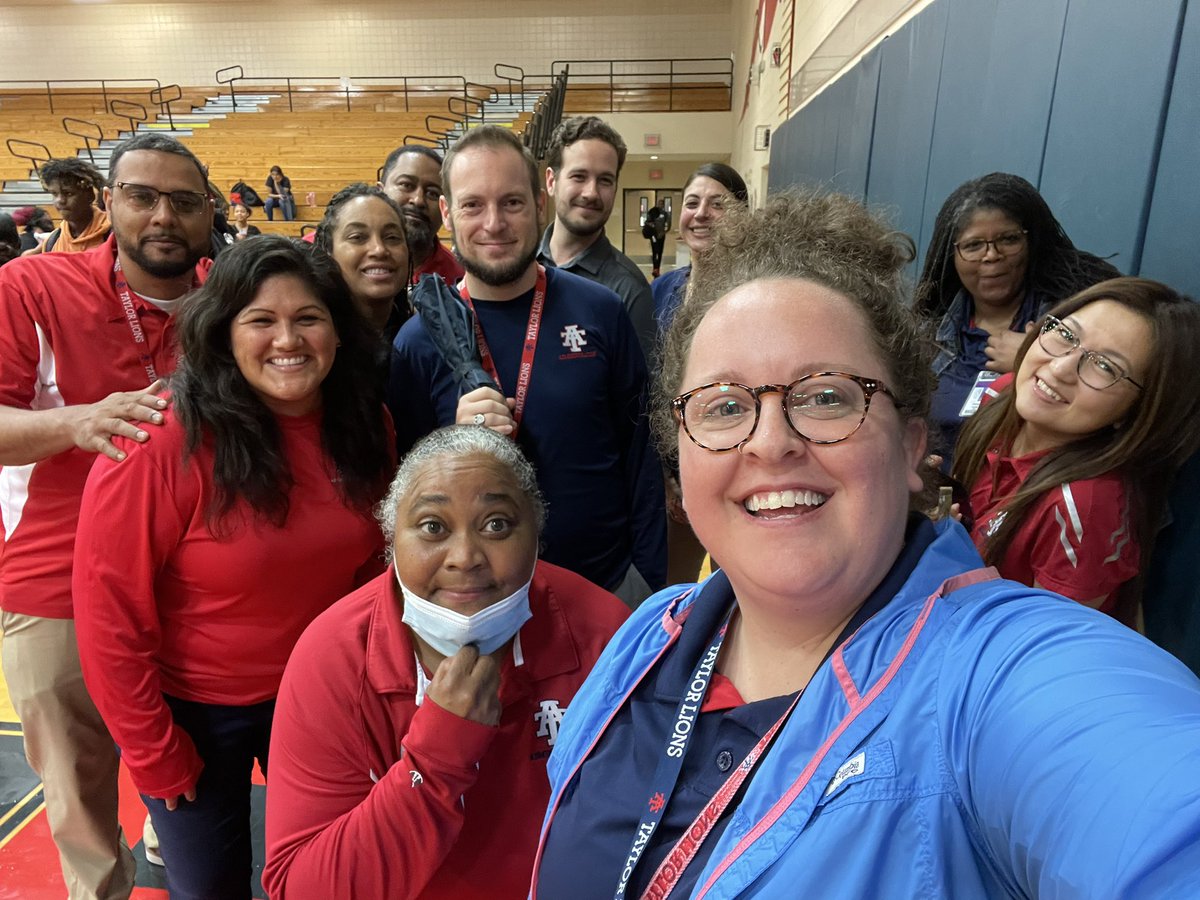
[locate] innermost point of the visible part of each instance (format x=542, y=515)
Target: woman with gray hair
x=409, y=749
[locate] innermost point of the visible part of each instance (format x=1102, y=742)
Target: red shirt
x=374, y=796
x=1076, y=539
x=164, y=607
x=441, y=262
x=64, y=341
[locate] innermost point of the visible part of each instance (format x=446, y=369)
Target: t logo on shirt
x=548, y=718
x=574, y=337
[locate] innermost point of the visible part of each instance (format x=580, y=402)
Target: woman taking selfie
x=852, y=706
x=1069, y=466
x=202, y=556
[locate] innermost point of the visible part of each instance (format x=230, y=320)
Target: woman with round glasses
x=853, y=706
x=997, y=260
x=1070, y=466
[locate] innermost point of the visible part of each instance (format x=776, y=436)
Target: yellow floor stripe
x=17, y=807
x=4, y=733
x=20, y=827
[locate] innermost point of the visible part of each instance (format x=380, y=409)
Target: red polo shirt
x=1076, y=540
x=443, y=263
x=64, y=341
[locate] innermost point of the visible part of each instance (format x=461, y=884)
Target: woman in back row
x=709, y=191
x=997, y=260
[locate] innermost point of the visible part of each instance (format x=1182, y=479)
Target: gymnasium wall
x=186, y=42
x=1097, y=102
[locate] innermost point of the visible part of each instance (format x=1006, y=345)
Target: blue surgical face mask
x=447, y=631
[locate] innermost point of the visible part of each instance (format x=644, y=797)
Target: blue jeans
x=206, y=843
x=287, y=205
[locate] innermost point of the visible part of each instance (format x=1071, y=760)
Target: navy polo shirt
x=957, y=374
x=600, y=809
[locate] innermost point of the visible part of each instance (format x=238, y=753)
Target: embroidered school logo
x=574, y=337
x=657, y=802
x=995, y=523
x=417, y=780
x=548, y=718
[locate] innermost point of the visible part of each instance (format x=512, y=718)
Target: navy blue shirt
x=584, y=426
x=594, y=824
x=668, y=293
x=962, y=358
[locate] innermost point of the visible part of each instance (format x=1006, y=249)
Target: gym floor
x=29, y=868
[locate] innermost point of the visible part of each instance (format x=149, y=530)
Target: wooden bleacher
x=319, y=144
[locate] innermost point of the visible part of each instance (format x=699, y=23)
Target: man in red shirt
x=85, y=339
x=412, y=176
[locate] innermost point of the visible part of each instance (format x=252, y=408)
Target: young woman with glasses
x=1070, y=464
x=997, y=260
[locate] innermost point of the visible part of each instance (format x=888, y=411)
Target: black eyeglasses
x=975, y=249
x=144, y=198
x=1095, y=369
x=822, y=408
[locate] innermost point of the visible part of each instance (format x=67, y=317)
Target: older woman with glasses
x=1070, y=465
x=997, y=260
x=853, y=706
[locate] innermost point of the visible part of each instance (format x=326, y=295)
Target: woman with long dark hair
x=996, y=261
x=363, y=230
x=204, y=554
x=1069, y=466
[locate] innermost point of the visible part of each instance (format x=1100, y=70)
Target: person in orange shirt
x=75, y=186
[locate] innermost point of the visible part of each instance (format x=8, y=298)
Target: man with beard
x=572, y=376
x=85, y=341
x=582, y=165
x=412, y=176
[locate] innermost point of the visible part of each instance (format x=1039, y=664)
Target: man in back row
x=84, y=340
x=412, y=176
x=582, y=167
x=572, y=375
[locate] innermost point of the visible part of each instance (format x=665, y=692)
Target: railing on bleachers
x=547, y=113
x=17, y=147
x=306, y=92
x=62, y=89
x=695, y=84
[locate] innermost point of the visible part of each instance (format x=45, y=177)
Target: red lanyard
x=532, y=328
x=135, y=326
x=667, y=776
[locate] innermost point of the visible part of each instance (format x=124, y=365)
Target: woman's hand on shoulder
x=468, y=685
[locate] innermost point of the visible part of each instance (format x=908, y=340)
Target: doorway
x=637, y=202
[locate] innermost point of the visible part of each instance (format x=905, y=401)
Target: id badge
x=983, y=382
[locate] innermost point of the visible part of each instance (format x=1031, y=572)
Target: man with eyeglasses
x=412, y=176
x=85, y=341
